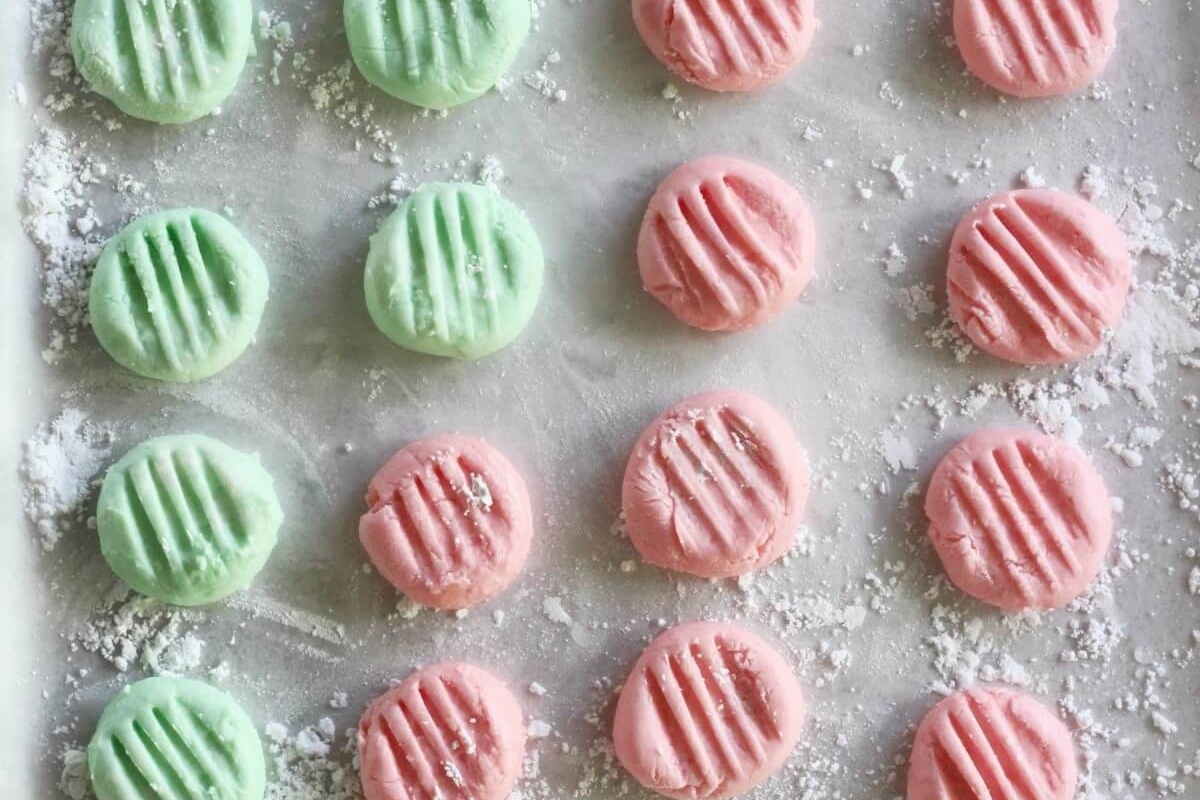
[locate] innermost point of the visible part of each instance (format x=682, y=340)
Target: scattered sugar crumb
x=552, y=607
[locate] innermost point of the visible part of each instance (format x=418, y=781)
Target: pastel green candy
x=168, y=61
x=435, y=53
x=455, y=271
x=186, y=519
x=178, y=295
x=175, y=739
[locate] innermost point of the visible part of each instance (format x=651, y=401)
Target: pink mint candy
x=991, y=743
x=1036, y=276
x=709, y=711
x=448, y=521
x=1019, y=519
x=716, y=486
x=726, y=245
x=447, y=732
x=727, y=45
x=1036, y=48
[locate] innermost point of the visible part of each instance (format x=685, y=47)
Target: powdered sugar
x=61, y=220
x=132, y=632
x=897, y=451
x=62, y=461
x=74, y=780
x=312, y=764
x=894, y=261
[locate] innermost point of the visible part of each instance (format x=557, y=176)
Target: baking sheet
x=879, y=110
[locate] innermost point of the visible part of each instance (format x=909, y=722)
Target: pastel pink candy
x=727, y=45
x=715, y=486
x=447, y=732
x=1035, y=276
x=725, y=244
x=1036, y=48
x=1019, y=519
x=709, y=711
x=991, y=743
x=448, y=521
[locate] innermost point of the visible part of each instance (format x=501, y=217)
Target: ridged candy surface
x=175, y=739
x=168, y=61
x=448, y=732
x=725, y=245
x=448, y=521
x=1020, y=519
x=187, y=519
x=727, y=45
x=709, y=711
x=455, y=271
x=1035, y=276
x=990, y=743
x=1036, y=48
x=177, y=295
x=435, y=53
x=715, y=486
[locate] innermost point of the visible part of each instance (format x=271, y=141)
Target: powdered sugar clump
x=62, y=460
x=310, y=765
x=894, y=261
x=75, y=780
x=61, y=221
x=131, y=631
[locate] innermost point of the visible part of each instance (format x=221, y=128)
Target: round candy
x=1020, y=520
x=187, y=519
x=991, y=743
x=448, y=521
x=709, y=711
x=177, y=295
x=727, y=45
x=455, y=271
x=448, y=732
x=435, y=53
x=725, y=245
x=1035, y=276
x=716, y=486
x=168, y=61
x=175, y=739
x=1036, y=49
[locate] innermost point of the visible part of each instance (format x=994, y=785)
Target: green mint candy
x=168, y=61
x=186, y=519
x=435, y=53
x=177, y=295
x=455, y=271
x=175, y=739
